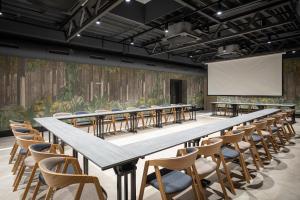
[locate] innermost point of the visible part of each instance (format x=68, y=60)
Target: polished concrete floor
x=279, y=179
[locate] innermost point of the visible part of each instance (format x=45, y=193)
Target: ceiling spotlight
x=293, y=51
x=98, y=22
x=219, y=13
x=191, y=56
x=269, y=42
x=78, y=35
x=166, y=28
x=131, y=41
x=1, y=13
x=127, y=1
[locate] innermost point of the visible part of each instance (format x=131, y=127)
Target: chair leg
x=36, y=190
x=13, y=152
x=49, y=193
x=244, y=168
x=257, y=156
x=18, y=174
x=268, y=154
x=273, y=142
x=19, y=177
x=280, y=137
x=222, y=183
x=17, y=164
x=29, y=181
x=255, y=162
x=228, y=177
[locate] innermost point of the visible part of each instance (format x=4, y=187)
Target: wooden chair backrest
x=248, y=129
x=260, y=125
x=53, y=150
x=25, y=141
x=210, y=147
x=182, y=162
x=61, y=114
x=270, y=121
x=230, y=138
x=54, y=171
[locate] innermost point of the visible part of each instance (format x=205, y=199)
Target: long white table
x=123, y=159
x=260, y=106
x=133, y=116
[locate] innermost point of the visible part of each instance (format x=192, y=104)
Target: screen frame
x=282, y=81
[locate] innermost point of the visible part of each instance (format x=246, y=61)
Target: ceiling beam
x=88, y=14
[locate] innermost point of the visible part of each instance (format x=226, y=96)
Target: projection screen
x=255, y=76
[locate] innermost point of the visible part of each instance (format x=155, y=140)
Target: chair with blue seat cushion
x=230, y=151
x=63, y=114
x=107, y=121
x=38, y=153
x=287, y=125
x=84, y=121
x=289, y=119
x=270, y=134
x=24, y=159
x=170, y=180
x=259, y=138
x=64, y=184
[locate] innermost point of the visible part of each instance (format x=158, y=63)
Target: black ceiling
x=258, y=27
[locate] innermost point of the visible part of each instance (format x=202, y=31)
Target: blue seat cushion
x=173, y=181
x=84, y=123
x=22, y=130
x=256, y=137
x=40, y=147
x=229, y=153
x=274, y=129
x=70, y=170
x=22, y=151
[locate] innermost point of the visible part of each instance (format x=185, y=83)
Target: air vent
x=97, y=57
x=14, y=46
x=127, y=61
x=59, y=52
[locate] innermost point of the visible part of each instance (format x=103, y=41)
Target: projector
x=229, y=51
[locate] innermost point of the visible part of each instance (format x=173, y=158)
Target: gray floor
x=280, y=179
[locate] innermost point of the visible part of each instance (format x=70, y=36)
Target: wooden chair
x=24, y=159
x=230, y=151
x=243, y=145
x=119, y=118
x=39, y=152
x=287, y=125
x=19, y=129
x=169, y=180
x=279, y=126
x=62, y=114
x=107, y=121
x=289, y=119
x=259, y=137
x=210, y=148
x=69, y=186
x=84, y=122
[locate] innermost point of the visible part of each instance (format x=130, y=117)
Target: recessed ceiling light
x=219, y=13
x=127, y=1
x=191, y=56
x=78, y=35
x=269, y=42
x=98, y=22
x=1, y=13
x=293, y=51
x=131, y=43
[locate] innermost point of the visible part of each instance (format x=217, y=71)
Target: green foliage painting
x=36, y=88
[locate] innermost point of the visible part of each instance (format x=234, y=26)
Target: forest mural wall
x=291, y=87
x=34, y=87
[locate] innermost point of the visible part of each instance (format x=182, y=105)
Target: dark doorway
x=177, y=91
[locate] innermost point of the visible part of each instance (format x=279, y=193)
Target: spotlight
x=1, y=13
x=98, y=22
x=78, y=35
x=219, y=13
x=166, y=28
x=127, y=1
x=131, y=41
x=293, y=51
x=191, y=56
x=269, y=42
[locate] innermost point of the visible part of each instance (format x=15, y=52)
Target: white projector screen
x=255, y=76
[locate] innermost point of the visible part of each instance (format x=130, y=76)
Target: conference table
x=260, y=106
x=123, y=158
x=133, y=113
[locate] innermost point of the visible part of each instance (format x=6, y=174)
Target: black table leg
x=85, y=165
x=133, y=122
x=294, y=115
x=75, y=153
x=158, y=117
x=178, y=115
x=100, y=126
x=123, y=172
x=54, y=139
x=235, y=111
